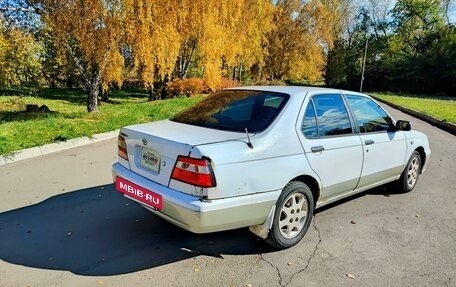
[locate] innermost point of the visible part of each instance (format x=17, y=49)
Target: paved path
x=63, y=224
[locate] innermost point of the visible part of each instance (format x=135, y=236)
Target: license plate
x=139, y=193
x=150, y=159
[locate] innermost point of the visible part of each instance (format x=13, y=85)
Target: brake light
x=193, y=171
x=122, y=148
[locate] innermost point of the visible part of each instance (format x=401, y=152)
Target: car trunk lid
x=153, y=148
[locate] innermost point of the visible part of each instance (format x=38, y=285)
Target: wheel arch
x=422, y=153
x=312, y=183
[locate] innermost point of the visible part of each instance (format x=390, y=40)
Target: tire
x=293, y=215
x=409, y=176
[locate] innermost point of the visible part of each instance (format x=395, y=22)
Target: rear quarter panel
x=276, y=158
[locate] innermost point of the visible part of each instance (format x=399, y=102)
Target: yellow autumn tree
x=246, y=39
x=19, y=57
x=151, y=29
x=189, y=27
x=165, y=36
x=304, y=32
x=224, y=34
x=161, y=37
x=3, y=51
x=90, y=32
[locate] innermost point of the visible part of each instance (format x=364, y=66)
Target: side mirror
x=403, y=125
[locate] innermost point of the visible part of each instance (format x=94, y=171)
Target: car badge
x=144, y=141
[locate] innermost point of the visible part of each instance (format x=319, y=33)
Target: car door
x=333, y=149
x=384, y=148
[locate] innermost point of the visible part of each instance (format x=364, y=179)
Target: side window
x=326, y=115
x=309, y=124
x=369, y=116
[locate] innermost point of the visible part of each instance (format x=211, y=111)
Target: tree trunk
x=151, y=93
x=104, y=95
x=92, y=98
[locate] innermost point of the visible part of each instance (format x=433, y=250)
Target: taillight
x=122, y=148
x=193, y=171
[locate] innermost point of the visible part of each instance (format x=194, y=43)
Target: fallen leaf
x=99, y=282
x=197, y=270
x=350, y=276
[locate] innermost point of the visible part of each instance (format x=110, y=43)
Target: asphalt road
x=63, y=224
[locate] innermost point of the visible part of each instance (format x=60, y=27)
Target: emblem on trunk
x=144, y=141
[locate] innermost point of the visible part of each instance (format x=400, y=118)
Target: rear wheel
x=293, y=215
x=410, y=175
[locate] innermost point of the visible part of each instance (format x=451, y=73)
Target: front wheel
x=293, y=215
x=409, y=176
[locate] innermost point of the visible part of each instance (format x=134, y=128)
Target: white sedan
x=265, y=157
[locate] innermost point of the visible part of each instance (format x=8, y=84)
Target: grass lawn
x=441, y=108
x=69, y=118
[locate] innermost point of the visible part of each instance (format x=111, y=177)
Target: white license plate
x=150, y=159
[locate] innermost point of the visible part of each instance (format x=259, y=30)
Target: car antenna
x=249, y=143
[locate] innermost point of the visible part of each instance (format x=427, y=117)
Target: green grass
x=69, y=117
x=439, y=107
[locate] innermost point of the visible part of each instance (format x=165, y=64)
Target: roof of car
x=292, y=89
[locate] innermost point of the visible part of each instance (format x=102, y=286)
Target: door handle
x=368, y=142
x=317, y=148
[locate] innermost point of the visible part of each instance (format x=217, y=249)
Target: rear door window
x=235, y=110
x=326, y=115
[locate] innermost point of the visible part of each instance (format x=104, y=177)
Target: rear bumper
x=203, y=216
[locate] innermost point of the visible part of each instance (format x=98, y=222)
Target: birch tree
x=90, y=32
x=304, y=32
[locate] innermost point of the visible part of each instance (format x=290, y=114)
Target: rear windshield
x=235, y=110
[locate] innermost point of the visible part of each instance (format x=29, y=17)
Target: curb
x=448, y=127
x=54, y=147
